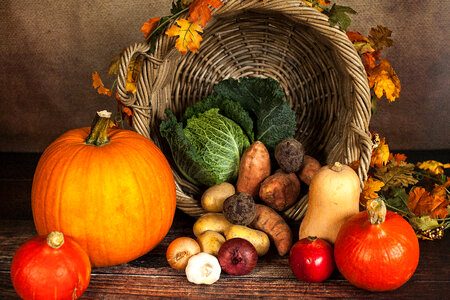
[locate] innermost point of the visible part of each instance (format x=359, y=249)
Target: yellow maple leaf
x=434, y=167
x=149, y=26
x=379, y=37
x=188, y=35
x=98, y=84
x=133, y=74
x=371, y=187
x=380, y=154
x=384, y=80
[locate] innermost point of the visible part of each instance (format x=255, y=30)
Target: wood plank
x=150, y=274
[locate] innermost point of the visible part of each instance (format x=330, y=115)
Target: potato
x=257, y=238
x=310, y=167
x=213, y=197
x=211, y=221
x=280, y=190
x=210, y=242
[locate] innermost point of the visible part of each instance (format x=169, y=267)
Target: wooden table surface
x=150, y=276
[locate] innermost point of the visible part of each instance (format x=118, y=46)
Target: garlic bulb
x=203, y=268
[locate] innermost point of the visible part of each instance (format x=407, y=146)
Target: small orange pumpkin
x=111, y=190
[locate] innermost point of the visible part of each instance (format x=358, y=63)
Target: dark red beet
x=237, y=257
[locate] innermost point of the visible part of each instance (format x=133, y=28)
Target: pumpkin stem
x=55, y=239
x=376, y=210
x=99, y=129
x=337, y=167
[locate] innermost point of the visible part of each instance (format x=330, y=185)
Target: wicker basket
x=322, y=76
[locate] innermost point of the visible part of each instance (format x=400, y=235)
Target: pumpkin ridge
x=67, y=166
x=144, y=202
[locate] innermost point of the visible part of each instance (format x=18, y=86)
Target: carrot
x=309, y=169
x=253, y=169
x=270, y=222
x=280, y=190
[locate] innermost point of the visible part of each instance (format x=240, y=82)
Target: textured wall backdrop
x=48, y=50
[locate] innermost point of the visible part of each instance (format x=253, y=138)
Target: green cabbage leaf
x=208, y=149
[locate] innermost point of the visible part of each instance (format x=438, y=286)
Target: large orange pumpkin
x=111, y=190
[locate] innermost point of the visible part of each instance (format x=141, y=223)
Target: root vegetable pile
x=243, y=220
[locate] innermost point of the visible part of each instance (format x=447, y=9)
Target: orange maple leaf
x=149, y=26
x=422, y=202
x=419, y=201
x=369, y=192
x=355, y=36
x=380, y=154
x=188, y=35
x=98, y=84
x=369, y=60
x=399, y=158
x=384, y=80
x=199, y=10
x=440, y=200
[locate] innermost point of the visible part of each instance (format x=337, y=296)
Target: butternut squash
x=333, y=198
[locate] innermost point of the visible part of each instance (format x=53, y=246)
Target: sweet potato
x=280, y=190
x=309, y=169
x=269, y=221
x=253, y=169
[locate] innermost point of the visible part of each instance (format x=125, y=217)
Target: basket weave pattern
x=317, y=66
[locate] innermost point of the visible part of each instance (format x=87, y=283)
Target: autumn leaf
x=398, y=159
x=355, y=36
x=440, y=189
x=133, y=74
x=421, y=202
x=384, y=80
x=379, y=37
x=98, y=84
x=432, y=166
x=150, y=26
x=371, y=187
x=396, y=176
x=423, y=223
x=380, y=154
x=398, y=201
x=317, y=4
x=355, y=165
x=370, y=59
x=188, y=35
x=199, y=10
x=339, y=15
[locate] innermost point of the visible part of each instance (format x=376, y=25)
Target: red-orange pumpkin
x=50, y=267
x=111, y=190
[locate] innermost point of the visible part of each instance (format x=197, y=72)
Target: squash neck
x=376, y=210
x=337, y=167
x=99, y=129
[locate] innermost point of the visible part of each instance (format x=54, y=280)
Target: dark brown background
x=48, y=50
